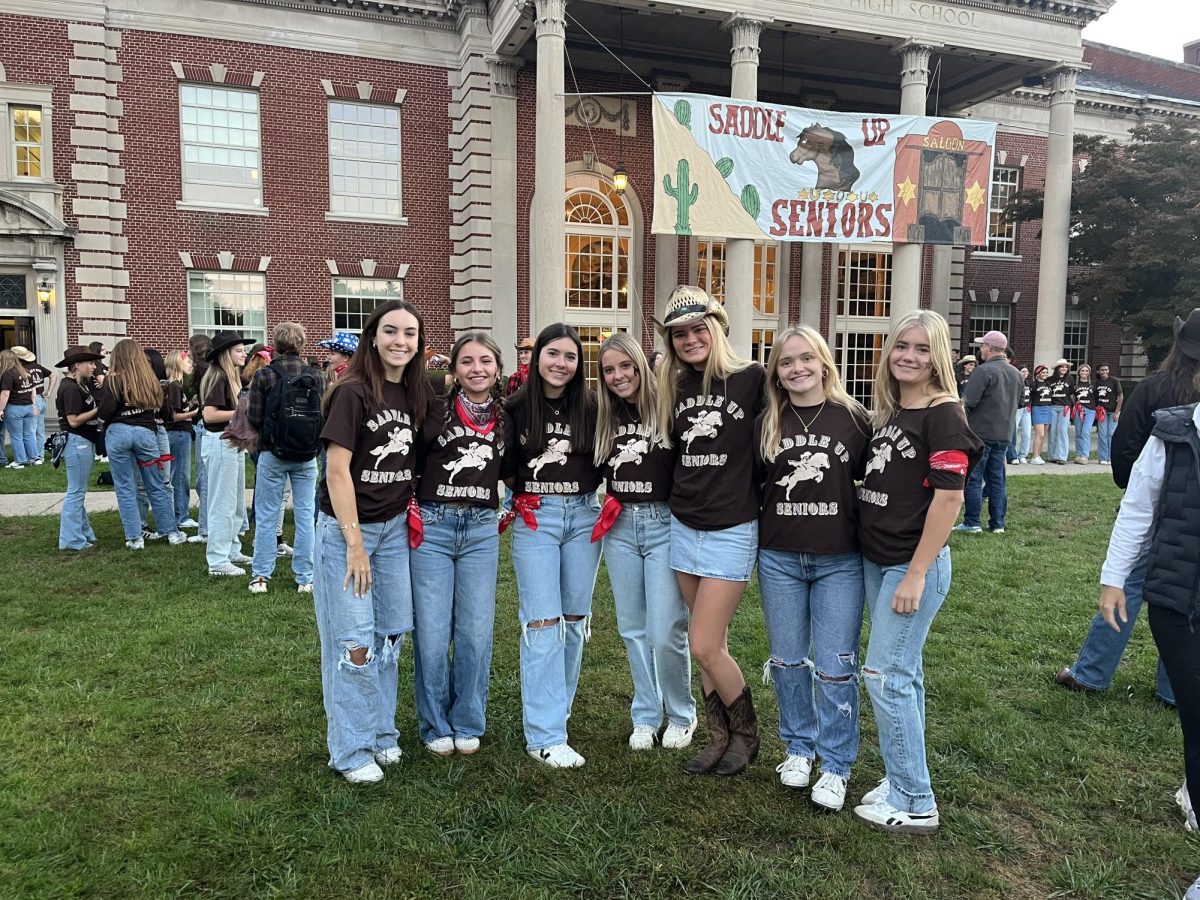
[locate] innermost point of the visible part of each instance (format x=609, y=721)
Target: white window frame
x=333, y=283
x=190, y=199
x=27, y=96
x=998, y=318
x=211, y=327
x=1075, y=352
x=17, y=145
x=765, y=325
x=1002, y=246
x=873, y=328
x=341, y=215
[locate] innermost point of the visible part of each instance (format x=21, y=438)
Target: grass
x=45, y=479
x=163, y=735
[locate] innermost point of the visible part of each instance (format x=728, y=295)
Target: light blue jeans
x=1057, y=442
x=651, y=615
x=1102, y=648
x=1083, y=433
x=1104, y=435
x=360, y=700
x=201, y=480
x=895, y=677
x=1022, y=432
x=813, y=610
x=181, y=470
x=133, y=451
x=39, y=403
x=164, y=449
x=556, y=569
x=74, y=529
x=454, y=603
x=21, y=424
x=270, y=480
x=225, y=466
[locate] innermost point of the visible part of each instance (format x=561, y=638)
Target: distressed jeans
x=651, y=615
x=74, y=530
x=181, y=471
x=813, y=611
x=556, y=569
x=1102, y=648
x=133, y=455
x=360, y=700
x=270, y=481
x=895, y=677
x=454, y=605
x=1104, y=435
x=225, y=467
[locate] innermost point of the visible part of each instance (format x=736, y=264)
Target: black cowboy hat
x=1187, y=334
x=223, y=340
x=77, y=354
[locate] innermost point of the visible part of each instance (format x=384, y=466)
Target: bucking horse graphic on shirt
x=629, y=452
x=399, y=441
x=555, y=454
x=707, y=424
x=809, y=467
x=474, y=456
x=880, y=457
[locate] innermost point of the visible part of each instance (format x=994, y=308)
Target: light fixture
x=620, y=173
x=45, y=293
x=620, y=178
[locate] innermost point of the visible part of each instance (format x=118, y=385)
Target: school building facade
x=172, y=166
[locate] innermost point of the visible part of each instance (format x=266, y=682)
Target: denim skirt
x=727, y=554
x=1042, y=415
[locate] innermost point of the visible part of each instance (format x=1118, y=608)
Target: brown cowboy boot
x=717, y=720
x=743, y=739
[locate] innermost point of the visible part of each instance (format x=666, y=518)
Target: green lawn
x=163, y=735
x=45, y=479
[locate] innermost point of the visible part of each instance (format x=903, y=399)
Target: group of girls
x=712, y=464
x=1054, y=400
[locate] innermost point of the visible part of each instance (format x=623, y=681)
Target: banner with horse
x=743, y=169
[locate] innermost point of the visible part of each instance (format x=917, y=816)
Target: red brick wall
x=1173, y=79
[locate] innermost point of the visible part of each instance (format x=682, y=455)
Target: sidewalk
x=50, y=504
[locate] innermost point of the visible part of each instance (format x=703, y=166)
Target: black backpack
x=292, y=424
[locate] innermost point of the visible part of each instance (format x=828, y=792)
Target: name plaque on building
x=744, y=169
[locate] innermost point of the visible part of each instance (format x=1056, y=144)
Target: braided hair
x=455, y=389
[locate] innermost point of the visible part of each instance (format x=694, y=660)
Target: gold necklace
x=809, y=424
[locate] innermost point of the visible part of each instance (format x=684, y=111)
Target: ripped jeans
x=360, y=700
x=813, y=610
x=556, y=573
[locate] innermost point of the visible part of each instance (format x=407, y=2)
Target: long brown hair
x=366, y=368
x=607, y=403
x=10, y=360
x=130, y=377
x=579, y=401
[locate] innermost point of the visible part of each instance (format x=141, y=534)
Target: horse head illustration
x=832, y=154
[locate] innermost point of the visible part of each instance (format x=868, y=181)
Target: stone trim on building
x=224, y=261
x=216, y=73
x=363, y=91
x=367, y=268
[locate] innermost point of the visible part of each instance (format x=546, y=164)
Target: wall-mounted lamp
x=620, y=177
x=45, y=294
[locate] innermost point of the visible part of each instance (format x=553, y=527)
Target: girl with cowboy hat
x=77, y=417
x=18, y=411
x=708, y=398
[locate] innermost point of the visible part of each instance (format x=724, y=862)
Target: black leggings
x=1179, y=646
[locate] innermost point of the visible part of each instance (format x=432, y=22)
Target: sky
x=1157, y=27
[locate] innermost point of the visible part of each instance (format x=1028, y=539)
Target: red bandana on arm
x=947, y=461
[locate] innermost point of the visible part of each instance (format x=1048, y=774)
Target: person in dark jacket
x=1161, y=510
x=1177, y=382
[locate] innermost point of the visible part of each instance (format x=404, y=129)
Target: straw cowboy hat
x=23, y=354
x=1064, y=362
x=688, y=304
x=525, y=344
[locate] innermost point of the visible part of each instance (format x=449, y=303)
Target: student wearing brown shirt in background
x=707, y=399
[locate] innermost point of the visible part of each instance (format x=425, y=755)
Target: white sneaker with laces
x=242, y=560
x=284, y=549
x=795, y=772
x=442, y=746
x=1184, y=799
x=304, y=588
x=676, y=737
x=466, y=745
x=643, y=737
x=368, y=774
x=885, y=817
x=881, y=791
x=258, y=585
x=388, y=757
x=226, y=569
x=176, y=538
x=830, y=792
x=189, y=522
x=198, y=539
x=1036, y=461
x=136, y=544
x=148, y=535
x=560, y=756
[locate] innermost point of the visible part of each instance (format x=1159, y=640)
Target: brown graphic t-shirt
x=75, y=399
x=381, y=443
x=116, y=410
x=713, y=486
x=217, y=396
x=20, y=387
x=809, y=503
x=176, y=403
x=1108, y=392
x=40, y=376
x=1042, y=393
x=919, y=451
x=638, y=468
x=1085, y=394
x=461, y=465
x=560, y=467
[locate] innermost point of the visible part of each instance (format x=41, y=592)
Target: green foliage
x=1135, y=223
x=750, y=201
x=683, y=112
x=725, y=166
x=685, y=194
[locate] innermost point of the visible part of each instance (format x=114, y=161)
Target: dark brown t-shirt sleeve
x=953, y=447
x=344, y=419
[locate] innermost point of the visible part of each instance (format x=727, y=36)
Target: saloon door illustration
x=942, y=187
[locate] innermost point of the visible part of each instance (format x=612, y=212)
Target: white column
x=504, y=205
x=1056, y=218
x=906, y=258
x=943, y=258
x=666, y=271
x=739, y=254
x=547, y=239
x=812, y=262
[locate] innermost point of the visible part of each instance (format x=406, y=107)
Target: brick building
x=174, y=167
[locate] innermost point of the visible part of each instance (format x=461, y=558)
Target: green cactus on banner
x=683, y=112
x=750, y=200
x=725, y=166
x=685, y=194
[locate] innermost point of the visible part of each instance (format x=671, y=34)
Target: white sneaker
x=258, y=585
x=885, y=817
x=226, y=569
x=830, y=792
x=1184, y=799
x=198, y=539
x=643, y=737
x=388, y=757
x=560, y=756
x=304, y=588
x=368, y=774
x=676, y=737
x=1193, y=893
x=284, y=549
x=242, y=560
x=176, y=538
x=881, y=791
x=795, y=772
x=1036, y=461
x=148, y=535
x=466, y=745
x=136, y=544
x=189, y=522
x=442, y=746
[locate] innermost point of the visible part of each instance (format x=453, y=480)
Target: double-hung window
x=222, y=158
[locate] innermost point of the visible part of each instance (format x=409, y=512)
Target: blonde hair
x=777, y=396
x=644, y=400
x=131, y=378
x=222, y=367
x=721, y=363
x=886, y=402
x=177, y=365
x=289, y=337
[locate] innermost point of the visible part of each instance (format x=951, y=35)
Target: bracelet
x=350, y=526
